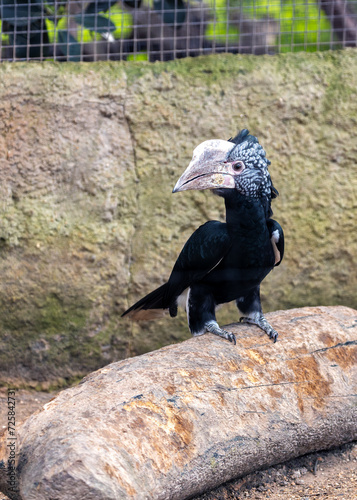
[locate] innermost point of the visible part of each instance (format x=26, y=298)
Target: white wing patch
x=182, y=299
x=275, y=248
x=275, y=235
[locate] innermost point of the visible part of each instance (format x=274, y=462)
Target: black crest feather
x=240, y=137
x=274, y=192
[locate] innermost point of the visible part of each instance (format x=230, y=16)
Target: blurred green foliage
x=32, y=26
x=302, y=24
x=220, y=28
x=299, y=25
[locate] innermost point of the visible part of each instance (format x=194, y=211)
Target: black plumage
x=222, y=262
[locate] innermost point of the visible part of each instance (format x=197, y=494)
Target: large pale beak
x=208, y=168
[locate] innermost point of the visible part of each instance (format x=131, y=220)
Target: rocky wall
x=89, y=156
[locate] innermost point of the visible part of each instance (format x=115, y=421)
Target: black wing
x=277, y=235
x=202, y=252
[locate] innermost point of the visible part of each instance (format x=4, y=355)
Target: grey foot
x=213, y=327
x=259, y=320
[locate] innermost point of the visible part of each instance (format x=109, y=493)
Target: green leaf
x=174, y=11
x=132, y=4
x=21, y=44
x=28, y=47
x=19, y=14
x=99, y=6
x=69, y=46
x=99, y=24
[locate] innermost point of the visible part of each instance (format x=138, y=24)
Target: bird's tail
x=151, y=306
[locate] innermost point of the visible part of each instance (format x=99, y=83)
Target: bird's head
x=239, y=163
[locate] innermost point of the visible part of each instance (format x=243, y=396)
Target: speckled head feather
x=255, y=181
x=248, y=149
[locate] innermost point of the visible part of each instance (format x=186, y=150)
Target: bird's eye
x=238, y=166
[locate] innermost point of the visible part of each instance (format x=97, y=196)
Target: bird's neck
x=244, y=214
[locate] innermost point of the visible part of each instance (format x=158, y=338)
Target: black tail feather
x=154, y=300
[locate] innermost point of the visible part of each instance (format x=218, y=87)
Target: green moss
x=54, y=316
x=47, y=331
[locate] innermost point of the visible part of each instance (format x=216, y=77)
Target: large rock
x=179, y=421
x=89, y=156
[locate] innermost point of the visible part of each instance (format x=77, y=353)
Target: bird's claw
x=273, y=334
x=259, y=320
x=227, y=335
x=231, y=337
x=213, y=327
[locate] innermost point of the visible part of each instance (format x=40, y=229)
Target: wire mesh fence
x=78, y=30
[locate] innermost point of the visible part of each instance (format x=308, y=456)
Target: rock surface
x=89, y=156
x=181, y=420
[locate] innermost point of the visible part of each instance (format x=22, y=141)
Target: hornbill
x=222, y=262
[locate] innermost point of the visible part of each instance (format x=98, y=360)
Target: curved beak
x=208, y=168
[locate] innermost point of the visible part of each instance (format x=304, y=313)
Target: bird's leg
x=201, y=313
x=213, y=327
x=257, y=318
x=250, y=306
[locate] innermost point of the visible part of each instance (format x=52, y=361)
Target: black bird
x=222, y=262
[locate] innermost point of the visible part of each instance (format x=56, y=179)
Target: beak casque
x=208, y=168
